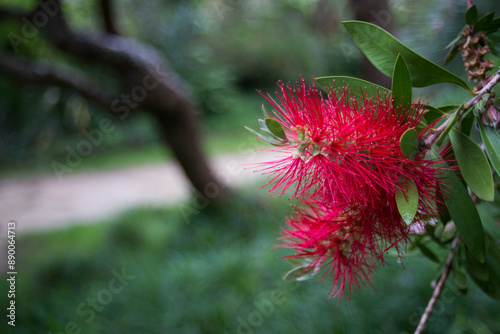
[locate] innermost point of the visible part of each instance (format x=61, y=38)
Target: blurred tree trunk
x=378, y=13
x=147, y=82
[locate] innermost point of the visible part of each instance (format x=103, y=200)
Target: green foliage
x=451, y=123
x=209, y=275
x=271, y=132
x=491, y=140
x=409, y=144
x=358, y=87
x=401, y=85
x=471, y=15
x=486, y=274
x=407, y=201
x=382, y=49
x=463, y=212
x=275, y=128
x=473, y=164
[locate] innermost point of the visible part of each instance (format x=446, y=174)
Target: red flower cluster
x=343, y=162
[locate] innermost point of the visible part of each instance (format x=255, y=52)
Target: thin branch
x=439, y=287
x=495, y=79
x=42, y=73
x=12, y=14
x=109, y=17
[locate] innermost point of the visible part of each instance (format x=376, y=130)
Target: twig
x=439, y=287
x=495, y=79
x=108, y=17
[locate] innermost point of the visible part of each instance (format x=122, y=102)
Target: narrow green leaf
x=463, y=211
x=460, y=278
x=471, y=15
x=486, y=275
x=484, y=21
x=487, y=24
x=407, y=201
x=409, y=144
x=275, y=128
x=492, y=26
x=491, y=140
x=357, y=86
x=267, y=137
x=473, y=165
x=382, y=49
x=427, y=252
x=479, y=271
x=451, y=54
x=454, y=41
x=401, y=84
x=434, y=113
x=449, y=126
x=466, y=123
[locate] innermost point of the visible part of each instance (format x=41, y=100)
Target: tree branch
x=108, y=17
x=439, y=287
x=495, y=79
x=12, y=14
x=149, y=84
x=42, y=73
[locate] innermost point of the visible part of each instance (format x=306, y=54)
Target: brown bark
x=108, y=17
x=158, y=89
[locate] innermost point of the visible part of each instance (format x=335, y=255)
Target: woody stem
x=439, y=287
x=495, y=79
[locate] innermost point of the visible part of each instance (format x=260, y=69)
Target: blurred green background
x=214, y=272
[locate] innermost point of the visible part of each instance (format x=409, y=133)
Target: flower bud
x=491, y=117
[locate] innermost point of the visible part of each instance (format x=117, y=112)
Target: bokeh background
x=187, y=263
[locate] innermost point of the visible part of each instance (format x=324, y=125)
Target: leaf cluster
x=465, y=184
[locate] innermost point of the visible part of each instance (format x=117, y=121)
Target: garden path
x=47, y=202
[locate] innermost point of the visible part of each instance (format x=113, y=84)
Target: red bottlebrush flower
x=348, y=242
x=344, y=151
x=334, y=238
x=343, y=161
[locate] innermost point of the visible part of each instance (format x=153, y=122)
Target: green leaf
x=492, y=26
x=433, y=113
x=275, y=128
x=401, y=84
x=357, y=86
x=471, y=15
x=491, y=140
x=463, y=211
x=407, y=201
x=451, y=54
x=487, y=24
x=382, y=49
x=268, y=137
x=484, y=21
x=427, y=252
x=409, y=144
x=454, y=41
x=449, y=126
x=466, y=123
x=460, y=278
x=473, y=165
x=486, y=275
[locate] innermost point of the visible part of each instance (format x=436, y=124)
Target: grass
x=213, y=271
